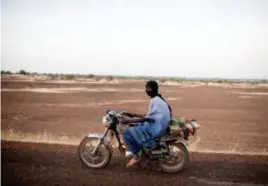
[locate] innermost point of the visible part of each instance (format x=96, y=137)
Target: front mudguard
x=103, y=139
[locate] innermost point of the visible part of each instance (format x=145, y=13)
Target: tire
x=178, y=167
x=106, y=149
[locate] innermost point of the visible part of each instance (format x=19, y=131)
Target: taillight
x=191, y=128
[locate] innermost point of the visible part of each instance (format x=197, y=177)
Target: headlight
x=104, y=120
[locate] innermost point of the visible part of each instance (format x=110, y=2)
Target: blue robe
x=143, y=135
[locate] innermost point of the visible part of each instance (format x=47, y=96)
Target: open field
x=232, y=145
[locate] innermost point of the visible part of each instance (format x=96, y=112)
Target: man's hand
x=129, y=114
x=127, y=120
x=124, y=120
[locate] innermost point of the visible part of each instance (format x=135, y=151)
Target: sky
x=193, y=38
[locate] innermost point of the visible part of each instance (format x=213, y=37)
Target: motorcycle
x=170, y=155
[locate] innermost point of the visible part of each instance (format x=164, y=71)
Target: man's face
x=148, y=90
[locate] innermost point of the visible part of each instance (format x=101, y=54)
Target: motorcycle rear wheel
x=175, y=163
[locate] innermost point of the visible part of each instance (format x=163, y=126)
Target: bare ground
x=230, y=124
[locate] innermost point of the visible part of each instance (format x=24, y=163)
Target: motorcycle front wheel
x=102, y=156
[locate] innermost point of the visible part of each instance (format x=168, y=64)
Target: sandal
x=133, y=161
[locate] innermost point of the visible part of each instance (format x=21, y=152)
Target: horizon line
x=137, y=76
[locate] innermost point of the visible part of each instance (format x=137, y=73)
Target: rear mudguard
x=174, y=140
x=183, y=142
x=100, y=136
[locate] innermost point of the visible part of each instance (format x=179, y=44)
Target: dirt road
x=47, y=165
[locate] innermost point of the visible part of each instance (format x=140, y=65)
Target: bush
x=162, y=80
x=90, y=76
x=98, y=78
x=204, y=81
x=34, y=73
x=220, y=81
x=69, y=76
x=52, y=76
x=109, y=78
x=254, y=83
x=5, y=72
x=264, y=81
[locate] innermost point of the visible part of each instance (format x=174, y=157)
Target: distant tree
x=90, y=76
x=23, y=72
x=5, y=72
x=265, y=81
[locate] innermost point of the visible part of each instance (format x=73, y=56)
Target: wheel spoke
x=94, y=161
x=99, y=158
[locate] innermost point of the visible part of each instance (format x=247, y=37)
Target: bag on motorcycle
x=177, y=124
x=182, y=126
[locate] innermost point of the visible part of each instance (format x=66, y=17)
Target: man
x=153, y=125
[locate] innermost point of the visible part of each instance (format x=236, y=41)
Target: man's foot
x=133, y=161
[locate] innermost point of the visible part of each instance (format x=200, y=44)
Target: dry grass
x=76, y=90
x=69, y=90
x=248, y=97
x=252, y=93
x=47, y=138
x=43, y=137
x=97, y=104
x=169, y=81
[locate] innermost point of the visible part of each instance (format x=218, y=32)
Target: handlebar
x=118, y=115
x=112, y=113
